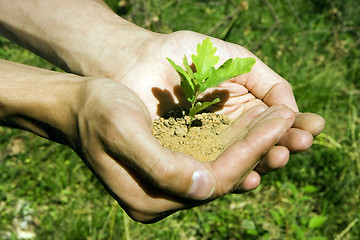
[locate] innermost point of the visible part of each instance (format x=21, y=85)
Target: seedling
x=206, y=76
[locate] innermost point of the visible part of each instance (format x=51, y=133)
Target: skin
x=127, y=83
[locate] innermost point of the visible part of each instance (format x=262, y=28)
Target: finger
x=250, y=182
x=240, y=158
x=310, y=122
x=268, y=86
x=251, y=117
x=241, y=125
x=275, y=111
x=262, y=81
x=281, y=93
x=296, y=140
x=238, y=128
x=300, y=137
x=277, y=157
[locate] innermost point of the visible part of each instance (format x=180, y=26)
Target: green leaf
x=231, y=68
x=310, y=189
x=182, y=73
x=204, y=60
x=189, y=93
x=201, y=106
x=188, y=68
x=186, y=83
x=317, y=221
x=206, y=75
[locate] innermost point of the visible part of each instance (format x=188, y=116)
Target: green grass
x=313, y=44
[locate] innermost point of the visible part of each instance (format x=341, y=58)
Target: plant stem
x=191, y=117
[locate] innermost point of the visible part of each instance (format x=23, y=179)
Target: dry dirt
x=200, y=141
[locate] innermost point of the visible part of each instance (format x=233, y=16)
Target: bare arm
x=75, y=35
x=40, y=101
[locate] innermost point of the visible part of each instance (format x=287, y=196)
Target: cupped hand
x=157, y=84
x=149, y=181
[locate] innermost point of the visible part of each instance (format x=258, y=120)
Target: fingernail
x=203, y=185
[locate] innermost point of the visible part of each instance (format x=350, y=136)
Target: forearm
x=40, y=101
x=78, y=36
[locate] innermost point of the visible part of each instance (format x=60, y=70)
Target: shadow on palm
x=167, y=102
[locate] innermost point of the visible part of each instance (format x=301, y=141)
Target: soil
x=201, y=140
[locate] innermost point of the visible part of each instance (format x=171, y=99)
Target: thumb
x=236, y=162
x=183, y=175
x=172, y=172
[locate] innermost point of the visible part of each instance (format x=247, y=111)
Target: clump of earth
x=201, y=140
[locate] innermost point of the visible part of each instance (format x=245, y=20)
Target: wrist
x=114, y=49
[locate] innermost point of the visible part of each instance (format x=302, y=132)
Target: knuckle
x=165, y=173
x=225, y=189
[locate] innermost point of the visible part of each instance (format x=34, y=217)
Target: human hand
x=151, y=182
x=157, y=84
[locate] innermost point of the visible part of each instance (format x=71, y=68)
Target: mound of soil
x=201, y=141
